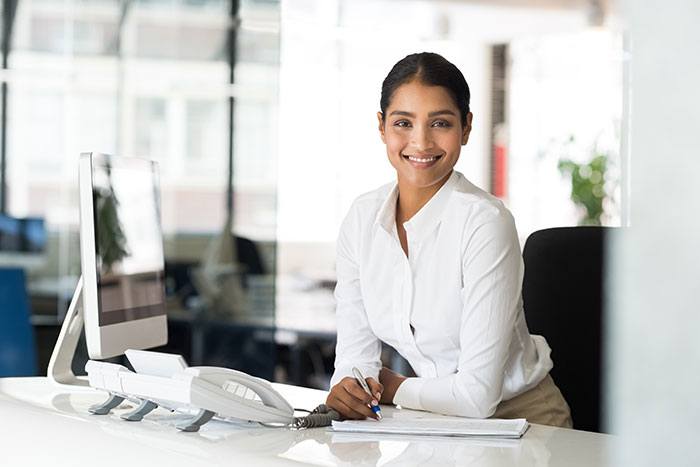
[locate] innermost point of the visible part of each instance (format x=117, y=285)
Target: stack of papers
x=437, y=425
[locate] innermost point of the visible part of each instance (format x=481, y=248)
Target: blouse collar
x=426, y=219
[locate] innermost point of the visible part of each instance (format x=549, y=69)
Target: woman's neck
x=411, y=199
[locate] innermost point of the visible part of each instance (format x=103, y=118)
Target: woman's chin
x=422, y=179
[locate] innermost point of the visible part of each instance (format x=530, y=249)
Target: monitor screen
x=10, y=233
x=22, y=235
x=34, y=234
x=128, y=240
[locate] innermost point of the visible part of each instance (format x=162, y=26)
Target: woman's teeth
x=422, y=159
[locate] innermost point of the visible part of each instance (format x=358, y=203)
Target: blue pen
x=361, y=379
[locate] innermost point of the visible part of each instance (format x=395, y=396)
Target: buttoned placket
x=405, y=305
x=401, y=307
x=428, y=368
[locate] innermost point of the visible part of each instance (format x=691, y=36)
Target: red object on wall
x=500, y=170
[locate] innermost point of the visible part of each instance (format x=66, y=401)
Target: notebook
x=411, y=422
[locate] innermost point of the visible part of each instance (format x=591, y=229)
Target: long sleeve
x=492, y=279
x=357, y=346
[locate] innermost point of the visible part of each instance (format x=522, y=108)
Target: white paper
x=411, y=422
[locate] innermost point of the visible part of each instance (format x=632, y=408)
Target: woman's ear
x=380, y=121
x=467, y=128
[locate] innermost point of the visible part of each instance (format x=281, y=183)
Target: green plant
x=587, y=186
x=111, y=243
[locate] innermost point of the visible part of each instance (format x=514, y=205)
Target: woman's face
x=423, y=133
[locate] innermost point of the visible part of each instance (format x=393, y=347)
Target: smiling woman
x=428, y=137
x=431, y=266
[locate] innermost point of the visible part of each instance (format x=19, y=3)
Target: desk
x=48, y=426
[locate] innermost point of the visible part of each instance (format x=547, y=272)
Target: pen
x=361, y=379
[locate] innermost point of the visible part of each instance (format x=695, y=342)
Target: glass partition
x=262, y=116
x=191, y=85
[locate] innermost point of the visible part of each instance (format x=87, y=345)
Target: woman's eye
x=441, y=124
x=402, y=123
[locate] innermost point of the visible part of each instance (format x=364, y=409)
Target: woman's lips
x=422, y=162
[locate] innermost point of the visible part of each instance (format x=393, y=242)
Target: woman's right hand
x=351, y=401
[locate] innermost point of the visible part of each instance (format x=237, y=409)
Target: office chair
x=179, y=274
x=17, y=343
x=563, y=301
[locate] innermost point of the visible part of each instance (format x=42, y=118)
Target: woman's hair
x=431, y=69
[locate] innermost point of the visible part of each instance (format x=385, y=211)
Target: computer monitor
x=121, y=250
x=22, y=242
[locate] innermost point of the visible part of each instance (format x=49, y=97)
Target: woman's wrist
x=391, y=381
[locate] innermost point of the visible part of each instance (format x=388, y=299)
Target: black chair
x=563, y=301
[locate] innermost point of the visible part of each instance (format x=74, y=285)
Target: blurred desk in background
x=294, y=342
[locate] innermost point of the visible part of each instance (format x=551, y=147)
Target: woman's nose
x=421, y=138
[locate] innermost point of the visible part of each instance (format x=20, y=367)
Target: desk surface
x=46, y=425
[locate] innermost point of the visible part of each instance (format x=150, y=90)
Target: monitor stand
x=60, y=371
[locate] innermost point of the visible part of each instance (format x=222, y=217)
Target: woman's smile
x=422, y=161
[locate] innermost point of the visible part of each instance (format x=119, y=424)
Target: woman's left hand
x=391, y=381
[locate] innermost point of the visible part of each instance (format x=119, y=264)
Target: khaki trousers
x=543, y=404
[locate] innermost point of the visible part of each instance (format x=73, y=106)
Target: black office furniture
x=563, y=292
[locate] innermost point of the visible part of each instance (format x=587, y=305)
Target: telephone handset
x=165, y=380
x=232, y=393
x=230, y=379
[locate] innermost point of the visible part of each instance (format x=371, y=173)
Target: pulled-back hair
x=431, y=69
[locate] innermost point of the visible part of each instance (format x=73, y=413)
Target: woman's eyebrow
x=430, y=115
x=402, y=112
x=441, y=112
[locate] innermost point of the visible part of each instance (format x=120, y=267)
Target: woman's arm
x=492, y=277
x=356, y=346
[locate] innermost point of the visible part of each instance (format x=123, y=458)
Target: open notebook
x=412, y=422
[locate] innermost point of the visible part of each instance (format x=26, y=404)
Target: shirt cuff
x=408, y=394
x=343, y=371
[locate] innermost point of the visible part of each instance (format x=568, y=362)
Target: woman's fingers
x=350, y=400
x=357, y=398
x=354, y=389
x=347, y=411
x=376, y=388
x=348, y=406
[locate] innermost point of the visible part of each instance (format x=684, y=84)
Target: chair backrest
x=563, y=301
x=17, y=343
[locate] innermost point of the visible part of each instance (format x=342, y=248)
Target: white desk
x=48, y=426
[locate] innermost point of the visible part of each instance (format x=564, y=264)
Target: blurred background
x=261, y=115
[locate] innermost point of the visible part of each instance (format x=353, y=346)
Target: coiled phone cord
x=318, y=417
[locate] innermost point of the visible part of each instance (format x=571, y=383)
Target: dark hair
x=431, y=69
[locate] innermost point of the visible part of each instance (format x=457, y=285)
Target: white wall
x=654, y=344
x=334, y=56
x=562, y=86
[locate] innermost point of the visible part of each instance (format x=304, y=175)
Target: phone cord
x=320, y=416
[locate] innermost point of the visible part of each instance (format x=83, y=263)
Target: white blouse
x=452, y=308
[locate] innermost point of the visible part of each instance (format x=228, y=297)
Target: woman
x=431, y=266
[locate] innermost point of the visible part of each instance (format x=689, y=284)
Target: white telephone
x=165, y=380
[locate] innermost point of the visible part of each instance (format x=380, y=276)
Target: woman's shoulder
x=364, y=210
x=475, y=203
x=378, y=195
x=481, y=216
x=371, y=202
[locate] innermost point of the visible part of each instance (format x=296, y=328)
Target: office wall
x=654, y=351
x=334, y=56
